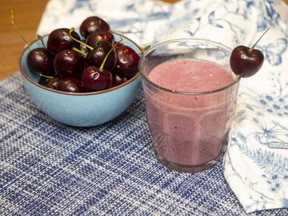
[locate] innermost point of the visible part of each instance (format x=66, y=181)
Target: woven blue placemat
x=47, y=168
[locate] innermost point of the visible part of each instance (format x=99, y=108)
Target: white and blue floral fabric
x=256, y=162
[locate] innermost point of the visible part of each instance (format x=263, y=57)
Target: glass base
x=189, y=168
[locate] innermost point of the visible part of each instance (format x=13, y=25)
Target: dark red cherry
x=53, y=83
x=95, y=79
x=94, y=37
x=246, y=61
x=93, y=24
x=69, y=84
x=118, y=80
x=98, y=54
x=40, y=60
x=59, y=39
x=68, y=63
x=127, y=61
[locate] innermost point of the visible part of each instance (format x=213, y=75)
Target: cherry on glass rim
x=246, y=61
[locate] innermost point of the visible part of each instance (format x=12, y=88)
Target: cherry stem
x=46, y=76
x=41, y=39
x=16, y=27
x=144, y=48
x=79, y=41
x=79, y=51
x=259, y=39
x=104, y=60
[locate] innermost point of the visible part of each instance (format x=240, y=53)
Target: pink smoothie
x=189, y=129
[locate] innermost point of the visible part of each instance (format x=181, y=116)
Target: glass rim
x=154, y=47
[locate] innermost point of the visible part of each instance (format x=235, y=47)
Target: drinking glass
x=189, y=129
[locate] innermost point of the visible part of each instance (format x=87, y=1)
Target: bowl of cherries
x=82, y=78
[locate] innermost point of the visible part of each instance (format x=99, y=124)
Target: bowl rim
x=22, y=71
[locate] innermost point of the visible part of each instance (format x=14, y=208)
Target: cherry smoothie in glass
x=190, y=96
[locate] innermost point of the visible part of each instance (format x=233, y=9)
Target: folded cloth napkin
x=256, y=162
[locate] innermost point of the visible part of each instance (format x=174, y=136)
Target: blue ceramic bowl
x=79, y=109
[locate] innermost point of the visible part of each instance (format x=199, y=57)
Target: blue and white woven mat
x=47, y=168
